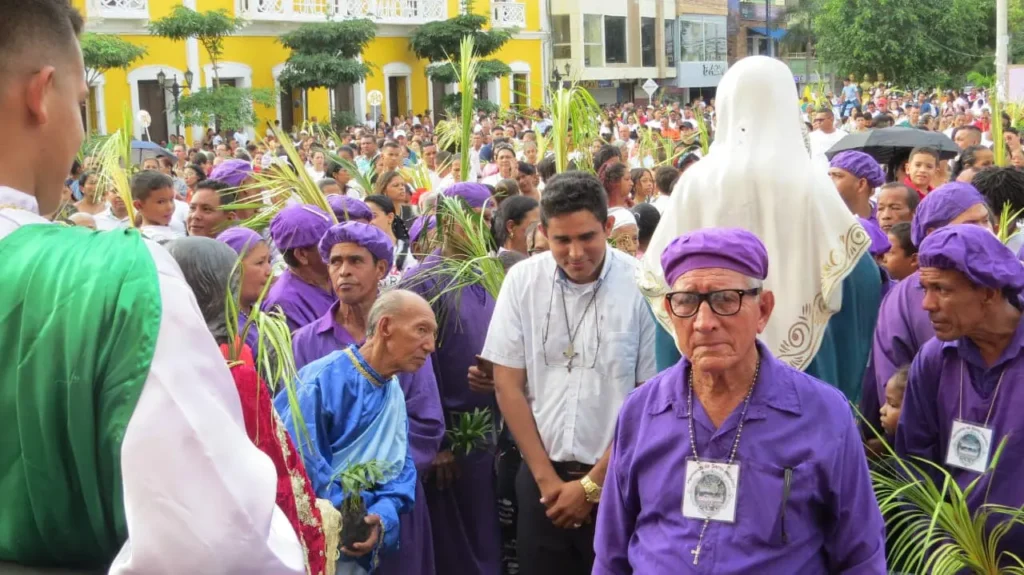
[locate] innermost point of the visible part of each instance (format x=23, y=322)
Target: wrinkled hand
x=444, y=469
x=479, y=381
x=567, y=504
x=360, y=549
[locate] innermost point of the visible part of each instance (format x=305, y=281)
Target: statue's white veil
x=759, y=176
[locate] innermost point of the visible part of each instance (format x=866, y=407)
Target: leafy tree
x=208, y=28
x=440, y=42
x=324, y=54
x=230, y=107
x=911, y=42
x=103, y=52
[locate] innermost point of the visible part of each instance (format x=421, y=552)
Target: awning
x=777, y=33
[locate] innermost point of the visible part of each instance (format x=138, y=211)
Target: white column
x=192, y=64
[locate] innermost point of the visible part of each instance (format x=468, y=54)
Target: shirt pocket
x=776, y=506
x=616, y=355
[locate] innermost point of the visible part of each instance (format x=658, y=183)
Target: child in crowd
x=894, y=401
x=901, y=259
x=153, y=198
x=920, y=168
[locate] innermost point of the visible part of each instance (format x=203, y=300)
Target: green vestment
x=79, y=317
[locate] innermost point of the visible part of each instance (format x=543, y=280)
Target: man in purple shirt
x=358, y=255
x=963, y=396
x=303, y=292
x=903, y=325
x=730, y=461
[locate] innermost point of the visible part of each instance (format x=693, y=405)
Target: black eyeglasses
x=686, y=304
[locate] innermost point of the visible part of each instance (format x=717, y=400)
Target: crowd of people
x=661, y=383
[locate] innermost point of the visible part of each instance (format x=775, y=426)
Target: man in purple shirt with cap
x=358, y=255
x=731, y=461
x=964, y=396
x=903, y=325
x=304, y=291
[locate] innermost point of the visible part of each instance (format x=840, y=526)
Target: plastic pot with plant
x=356, y=479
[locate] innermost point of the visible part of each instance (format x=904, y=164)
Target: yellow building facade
x=254, y=58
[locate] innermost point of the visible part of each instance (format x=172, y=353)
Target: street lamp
x=175, y=90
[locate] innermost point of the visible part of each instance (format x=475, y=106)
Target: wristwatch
x=591, y=489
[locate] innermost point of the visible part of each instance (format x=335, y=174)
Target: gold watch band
x=590, y=489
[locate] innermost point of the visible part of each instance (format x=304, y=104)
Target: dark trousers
x=543, y=548
x=508, y=468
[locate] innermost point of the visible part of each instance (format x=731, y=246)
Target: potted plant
x=355, y=479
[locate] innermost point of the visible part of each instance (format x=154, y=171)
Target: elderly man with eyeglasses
x=731, y=461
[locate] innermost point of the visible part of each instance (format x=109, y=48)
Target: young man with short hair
x=573, y=323
x=206, y=218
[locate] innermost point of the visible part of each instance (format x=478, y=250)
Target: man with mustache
x=358, y=256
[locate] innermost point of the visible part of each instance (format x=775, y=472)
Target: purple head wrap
x=860, y=165
x=941, y=206
x=298, y=226
x=232, y=172
x=421, y=224
x=879, y=239
x=365, y=235
x=728, y=248
x=349, y=209
x=976, y=253
x=476, y=195
x=239, y=239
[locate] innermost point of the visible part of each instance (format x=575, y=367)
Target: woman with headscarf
x=207, y=267
x=759, y=176
x=254, y=271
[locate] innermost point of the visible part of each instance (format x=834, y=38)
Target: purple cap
x=976, y=253
x=860, y=165
x=370, y=237
x=879, y=239
x=239, y=239
x=347, y=209
x=728, y=248
x=422, y=223
x=298, y=226
x=941, y=206
x=232, y=172
x=476, y=195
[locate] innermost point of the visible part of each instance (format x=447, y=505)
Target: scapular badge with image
x=969, y=446
x=710, y=490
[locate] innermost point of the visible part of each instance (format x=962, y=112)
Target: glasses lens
x=684, y=304
x=725, y=302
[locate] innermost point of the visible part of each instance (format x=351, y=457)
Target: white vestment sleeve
x=199, y=496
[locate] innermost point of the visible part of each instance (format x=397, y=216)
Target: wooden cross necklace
x=570, y=350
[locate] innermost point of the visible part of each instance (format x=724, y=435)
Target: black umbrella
x=885, y=143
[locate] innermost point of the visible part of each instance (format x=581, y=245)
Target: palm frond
x=277, y=185
x=575, y=117
x=361, y=477
x=932, y=528
x=418, y=175
x=467, y=71
x=998, y=143
x=1008, y=223
x=113, y=161
x=703, y=134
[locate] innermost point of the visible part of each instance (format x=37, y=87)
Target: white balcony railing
x=120, y=9
x=508, y=14
x=381, y=11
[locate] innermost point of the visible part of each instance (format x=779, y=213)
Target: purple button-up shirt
x=933, y=400
x=903, y=327
x=301, y=302
x=831, y=520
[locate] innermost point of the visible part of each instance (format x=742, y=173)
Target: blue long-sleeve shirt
x=338, y=403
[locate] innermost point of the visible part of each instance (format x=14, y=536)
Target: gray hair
x=389, y=304
x=754, y=283
x=206, y=265
x=327, y=182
